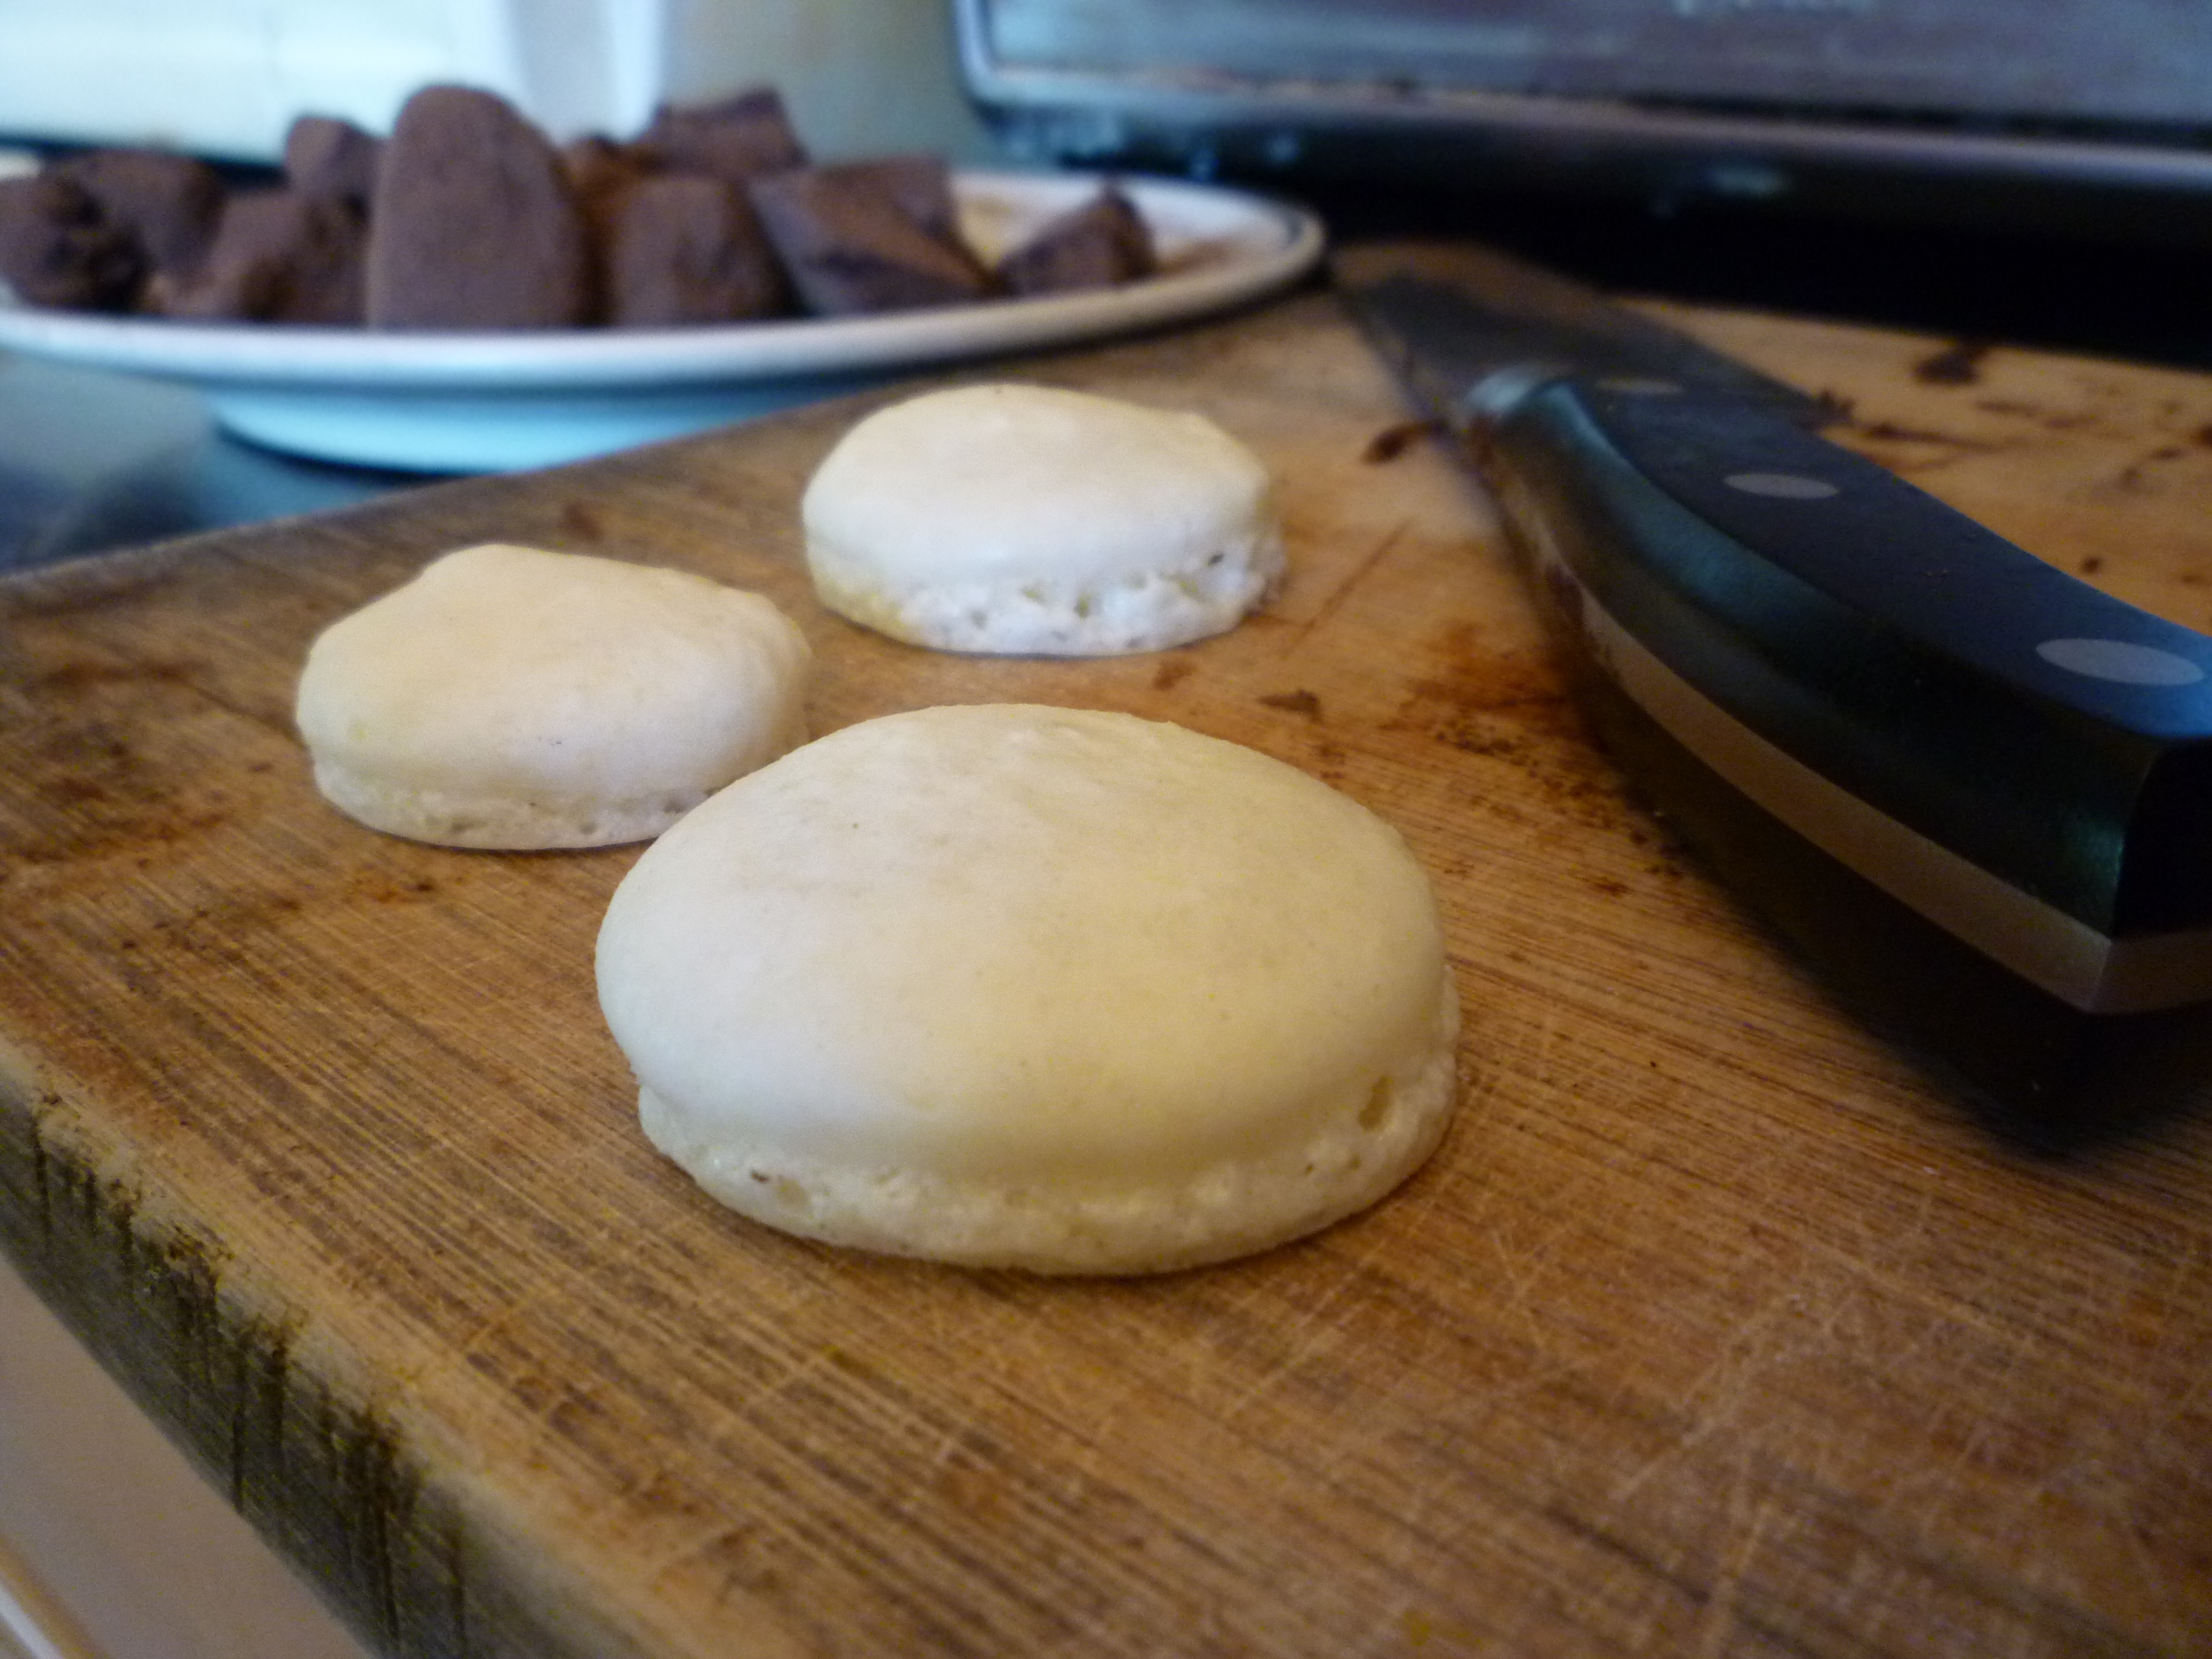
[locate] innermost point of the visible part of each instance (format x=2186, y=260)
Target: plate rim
x=357, y=359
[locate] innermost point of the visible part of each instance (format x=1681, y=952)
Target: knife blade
x=1977, y=791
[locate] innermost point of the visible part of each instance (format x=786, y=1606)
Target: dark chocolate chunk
x=474, y=224
x=168, y=204
x=848, y=245
x=598, y=169
x=687, y=250
x=921, y=185
x=331, y=160
x=738, y=138
x=1102, y=243
x=600, y=173
x=280, y=256
x=56, y=249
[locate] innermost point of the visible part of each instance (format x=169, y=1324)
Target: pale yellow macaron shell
x=511, y=696
x=1018, y=961
x=1032, y=519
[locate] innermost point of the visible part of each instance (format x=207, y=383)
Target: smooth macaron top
x=505, y=671
x=1020, y=519
x=1026, y=483
x=1060, y=949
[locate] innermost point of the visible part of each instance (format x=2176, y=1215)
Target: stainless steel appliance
x=2092, y=114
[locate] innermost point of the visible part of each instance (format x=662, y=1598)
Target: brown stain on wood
x=1301, y=702
x=1395, y=440
x=69, y=678
x=1896, y=432
x=1958, y=364
x=585, y=520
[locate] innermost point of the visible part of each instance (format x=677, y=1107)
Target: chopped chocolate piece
x=597, y=169
x=921, y=185
x=474, y=224
x=55, y=250
x=168, y=204
x=1102, y=243
x=601, y=173
x=280, y=256
x=848, y=246
x=738, y=138
x=332, y=160
x=687, y=250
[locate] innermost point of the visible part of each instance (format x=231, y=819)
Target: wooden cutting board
x=1712, y=1328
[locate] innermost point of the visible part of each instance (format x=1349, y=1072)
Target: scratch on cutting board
x=2075, y=1455
x=1301, y=1340
x=1740, y=1543
x=2150, y=1570
x=1520, y=1271
x=479, y=1335
x=723, y=1550
x=1329, y=606
x=816, y=1357
x=1716, y=1395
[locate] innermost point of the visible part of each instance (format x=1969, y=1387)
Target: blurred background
x=2038, y=172
x=225, y=77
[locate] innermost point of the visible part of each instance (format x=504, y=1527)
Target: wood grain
x=1713, y=1327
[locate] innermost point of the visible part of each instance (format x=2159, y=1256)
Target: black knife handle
x=2054, y=737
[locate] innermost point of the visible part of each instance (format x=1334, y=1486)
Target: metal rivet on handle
x=2120, y=661
x=1783, y=486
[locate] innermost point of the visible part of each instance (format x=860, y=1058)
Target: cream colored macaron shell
x=1026, y=519
x=1042, y=988
x=509, y=697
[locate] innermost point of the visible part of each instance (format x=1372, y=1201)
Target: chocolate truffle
x=738, y=138
x=1098, y=245
x=279, y=256
x=56, y=249
x=473, y=224
x=688, y=248
x=849, y=245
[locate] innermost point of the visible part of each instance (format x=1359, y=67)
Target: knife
x=1976, y=791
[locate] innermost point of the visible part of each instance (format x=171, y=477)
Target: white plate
x=491, y=402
